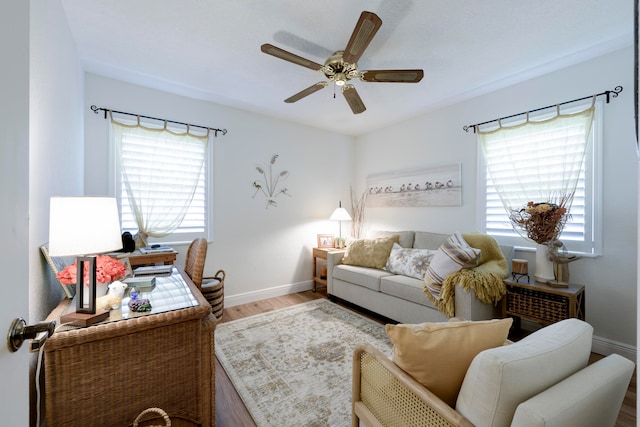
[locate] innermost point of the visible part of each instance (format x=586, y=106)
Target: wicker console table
x=108, y=373
x=542, y=303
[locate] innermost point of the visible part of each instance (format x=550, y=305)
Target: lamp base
x=557, y=284
x=84, y=319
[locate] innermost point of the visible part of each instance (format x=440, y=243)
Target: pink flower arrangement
x=107, y=270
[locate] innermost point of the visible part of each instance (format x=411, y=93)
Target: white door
x=14, y=367
x=14, y=205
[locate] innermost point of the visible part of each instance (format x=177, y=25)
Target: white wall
x=264, y=252
x=56, y=142
x=56, y=147
x=437, y=138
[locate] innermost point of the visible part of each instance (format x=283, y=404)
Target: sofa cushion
x=362, y=276
x=452, y=256
x=369, y=252
x=406, y=288
x=406, y=237
x=438, y=354
x=428, y=240
x=408, y=261
x=501, y=378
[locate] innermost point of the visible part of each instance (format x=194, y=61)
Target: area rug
x=292, y=367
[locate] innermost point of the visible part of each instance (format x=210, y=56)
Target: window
x=582, y=231
x=169, y=174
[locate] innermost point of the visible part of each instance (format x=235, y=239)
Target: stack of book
x=152, y=270
x=143, y=283
x=156, y=249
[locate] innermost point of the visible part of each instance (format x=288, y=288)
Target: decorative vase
x=544, y=267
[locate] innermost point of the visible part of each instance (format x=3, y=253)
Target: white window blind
x=161, y=168
x=581, y=231
x=193, y=222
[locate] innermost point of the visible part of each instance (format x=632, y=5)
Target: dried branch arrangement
x=357, y=213
x=542, y=222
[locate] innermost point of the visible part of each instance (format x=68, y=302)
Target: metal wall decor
x=268, y=183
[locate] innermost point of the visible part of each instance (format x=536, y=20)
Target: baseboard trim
x=606, y=347
x=276, y=291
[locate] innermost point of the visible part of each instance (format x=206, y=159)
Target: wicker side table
x=543, y=304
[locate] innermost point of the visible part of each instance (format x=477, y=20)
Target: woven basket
x=537, y=305
x=213, y=291
x=151, y=410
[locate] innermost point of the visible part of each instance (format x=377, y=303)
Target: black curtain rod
x=608, y=93
x=106, y=110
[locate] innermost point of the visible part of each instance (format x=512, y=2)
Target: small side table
x=322, y=254
x=542, y=303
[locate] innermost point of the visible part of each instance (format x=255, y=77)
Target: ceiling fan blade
x=288, y=56
x=367, y=27
x=308, y=91
x=392, y=76
x=353, y=99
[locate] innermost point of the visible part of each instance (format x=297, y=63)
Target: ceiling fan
x=342, y=66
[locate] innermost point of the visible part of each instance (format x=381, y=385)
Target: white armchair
x=542, y=380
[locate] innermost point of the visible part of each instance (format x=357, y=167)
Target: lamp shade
x=340, y=214
x=83, y=226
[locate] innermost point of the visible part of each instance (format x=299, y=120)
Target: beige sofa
x=542, y=380
x=396, y=297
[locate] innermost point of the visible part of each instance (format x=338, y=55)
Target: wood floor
x=231, y=412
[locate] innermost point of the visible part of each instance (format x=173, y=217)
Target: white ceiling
x=210, y=49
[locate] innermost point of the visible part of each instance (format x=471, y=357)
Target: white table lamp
x=84, y=227
x=340, y=214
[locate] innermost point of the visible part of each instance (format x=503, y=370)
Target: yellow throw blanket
x=485, y=279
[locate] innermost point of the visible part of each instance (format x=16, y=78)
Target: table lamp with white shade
x=340, y=214
x=84, y=227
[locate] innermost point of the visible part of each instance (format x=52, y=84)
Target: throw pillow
x=452, y=256
x=437, y=355
x=369, y=252
x=409, y=262
x=406, y=237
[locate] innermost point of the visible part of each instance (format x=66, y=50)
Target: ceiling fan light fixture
x=342, y=65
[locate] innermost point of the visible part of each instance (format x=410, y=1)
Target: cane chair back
x=194, y=263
